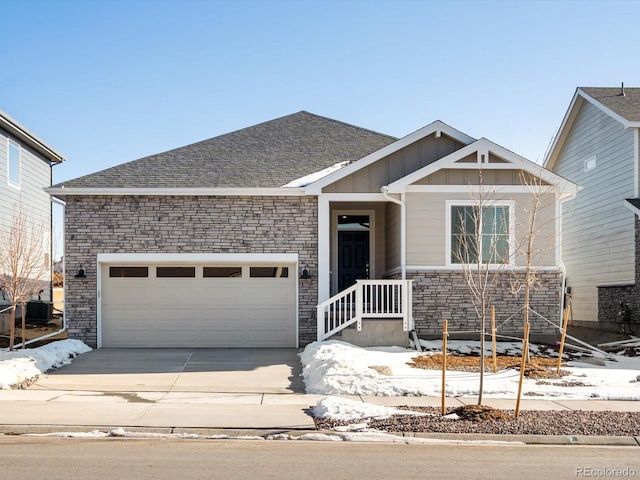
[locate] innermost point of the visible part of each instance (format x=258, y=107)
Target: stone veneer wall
x=609, y=298
x=181, y=224
x=440, y=295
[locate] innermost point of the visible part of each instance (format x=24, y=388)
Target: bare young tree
x=480, y=244
x=530, y=244
x=24, y=263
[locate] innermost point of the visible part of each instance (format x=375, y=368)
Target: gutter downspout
x=560, y=262
x=403, y=234
x=63, y=204
x=63, y=327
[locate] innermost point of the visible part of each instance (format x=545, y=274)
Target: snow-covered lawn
x=25, y=365
x=338, y=368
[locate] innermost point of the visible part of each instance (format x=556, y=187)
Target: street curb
x=534, y=439
x=235, y=433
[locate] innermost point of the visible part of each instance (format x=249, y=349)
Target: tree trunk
x=12, y=328
x=24, y=321
x=482, y=315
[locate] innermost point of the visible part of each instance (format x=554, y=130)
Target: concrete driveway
x=271, y=371
x=166, y=390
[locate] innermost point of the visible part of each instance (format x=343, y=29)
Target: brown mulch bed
x=536, y=368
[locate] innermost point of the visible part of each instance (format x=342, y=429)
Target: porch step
x=376, y=333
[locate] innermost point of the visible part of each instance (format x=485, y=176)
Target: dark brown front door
x=353, y=257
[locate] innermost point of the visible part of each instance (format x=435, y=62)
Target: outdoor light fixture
x=80, y=273
x=305, y=273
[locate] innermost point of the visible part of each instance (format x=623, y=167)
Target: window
x=176, y=272
x=271, y=272
x=13, y=165
x=222, y=272
x=590, y=163
x=491, y=242
x=128, y=272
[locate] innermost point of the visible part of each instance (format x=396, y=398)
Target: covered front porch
x=360, y=277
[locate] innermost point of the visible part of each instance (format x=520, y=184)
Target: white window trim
x=19, y=147
x=466, y=203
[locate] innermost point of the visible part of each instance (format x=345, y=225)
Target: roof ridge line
x=347, y=124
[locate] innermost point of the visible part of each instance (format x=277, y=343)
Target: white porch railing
x=366, y=299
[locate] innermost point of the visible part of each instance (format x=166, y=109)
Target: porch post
x=324, y=240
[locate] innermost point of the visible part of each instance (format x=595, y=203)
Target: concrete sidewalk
x=221, y=411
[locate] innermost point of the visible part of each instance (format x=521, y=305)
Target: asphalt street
x=31, y=458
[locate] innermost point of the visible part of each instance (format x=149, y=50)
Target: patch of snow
x=92, y=434
x=314, y=177
x=26, y=365
x=319, y=437
x=338, y=368
x=345, y=409
x=233, y=437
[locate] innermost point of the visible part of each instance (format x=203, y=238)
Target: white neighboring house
x=25, y=171
x=598, y=148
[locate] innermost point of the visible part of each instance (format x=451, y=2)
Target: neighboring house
x=25, y=171
x=597, y=147
x=235, y=240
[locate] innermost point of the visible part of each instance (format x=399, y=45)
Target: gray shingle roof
x=627, y=106
x=270, y=154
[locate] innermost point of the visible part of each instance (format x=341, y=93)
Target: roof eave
x=484, y=145
x=17, y=130
x=576, y=102
x=561, y=134
x=437, y=126
x=631, y=206
x=62, y=191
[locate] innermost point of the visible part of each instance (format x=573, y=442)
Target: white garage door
x=198, y=306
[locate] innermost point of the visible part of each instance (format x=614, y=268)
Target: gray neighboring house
x=598, y=148
x=293, y=230
x=25, y=171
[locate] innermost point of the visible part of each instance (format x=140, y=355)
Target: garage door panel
x=269, y=338
x=198, y=312
x=269, y=316
x=210, y=314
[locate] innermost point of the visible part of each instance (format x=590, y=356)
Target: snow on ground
x=345, y=409
x=338, y=368
x=25, y=365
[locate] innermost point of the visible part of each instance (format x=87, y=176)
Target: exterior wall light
x=305, y=273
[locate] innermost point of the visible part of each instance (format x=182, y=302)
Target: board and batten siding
x=598, y=230
x=395, y=166
x=35, y=175
x=427, y=228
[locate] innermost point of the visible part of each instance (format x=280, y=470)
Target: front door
x=353, y=257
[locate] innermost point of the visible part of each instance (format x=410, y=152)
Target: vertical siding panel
x=598, y=231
